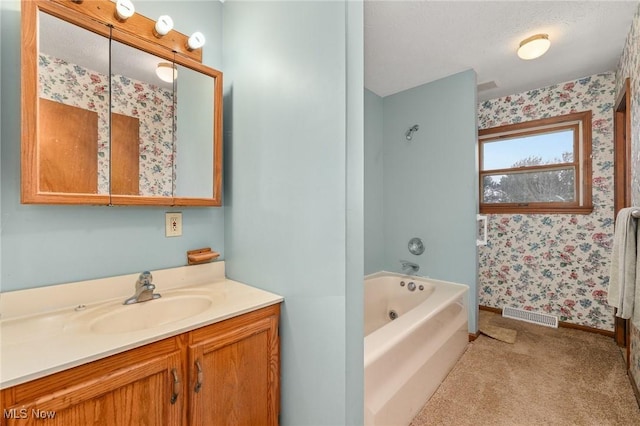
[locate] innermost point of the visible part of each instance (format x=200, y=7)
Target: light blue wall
x=43, y=245
x=430, y=183
x=354, y=402
x=373, y=184
x=293, y=155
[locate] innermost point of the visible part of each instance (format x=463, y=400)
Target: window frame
x=580, y=122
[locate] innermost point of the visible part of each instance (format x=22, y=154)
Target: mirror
x=142, y=123
x=73, y=109
x=99, y=124
x=191, y=154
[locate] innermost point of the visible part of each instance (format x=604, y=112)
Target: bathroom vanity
x=218, y=365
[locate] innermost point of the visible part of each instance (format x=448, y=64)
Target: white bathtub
x=406, y=359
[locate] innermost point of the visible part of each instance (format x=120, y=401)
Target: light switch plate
x=173, y=224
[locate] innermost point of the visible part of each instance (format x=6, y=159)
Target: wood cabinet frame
x=137, y=32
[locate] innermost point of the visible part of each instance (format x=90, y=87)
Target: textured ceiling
x=409, y=43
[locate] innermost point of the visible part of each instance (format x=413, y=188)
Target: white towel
x=622, y=279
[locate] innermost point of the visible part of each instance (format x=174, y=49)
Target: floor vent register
x=532, y=317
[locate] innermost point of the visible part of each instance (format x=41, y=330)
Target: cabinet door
x=235, y=372
x=138, y=394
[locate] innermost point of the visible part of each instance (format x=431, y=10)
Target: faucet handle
x=145, y=277
x=144, y=289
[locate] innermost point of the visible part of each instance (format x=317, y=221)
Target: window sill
x=489, y=209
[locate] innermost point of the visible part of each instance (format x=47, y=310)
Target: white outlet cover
x=173, y=224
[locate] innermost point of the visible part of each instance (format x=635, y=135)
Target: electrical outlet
x=173, y=224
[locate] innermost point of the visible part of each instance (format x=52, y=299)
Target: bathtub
x=406, y=358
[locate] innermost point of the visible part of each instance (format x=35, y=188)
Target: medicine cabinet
x=99, y=126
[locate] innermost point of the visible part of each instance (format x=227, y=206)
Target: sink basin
x=153, y=313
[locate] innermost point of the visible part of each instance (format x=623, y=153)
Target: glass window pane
x=532, y=150
x=551, y=186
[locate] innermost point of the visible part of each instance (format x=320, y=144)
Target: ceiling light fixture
x=534, y=46
x=166, y=72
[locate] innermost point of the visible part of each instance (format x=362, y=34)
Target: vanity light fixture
x=196, y=41
x=534, y=46
x=164, y=24
x=124, y=10
x=166, y=72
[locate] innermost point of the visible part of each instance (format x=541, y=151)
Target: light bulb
x=164, y=24
x=124, y=9
x=196, y=41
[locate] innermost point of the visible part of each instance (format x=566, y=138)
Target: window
x=541, y=166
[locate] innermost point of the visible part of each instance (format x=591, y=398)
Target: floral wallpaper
x=153, y=106
x=555, y=263
x=80, y=87
x=629, y=66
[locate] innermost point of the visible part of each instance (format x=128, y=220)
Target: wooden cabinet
x=223, y=374
x=235, y=369
x=134, y=387
x=99, y=126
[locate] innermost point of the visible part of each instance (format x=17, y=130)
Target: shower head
x=411, y=131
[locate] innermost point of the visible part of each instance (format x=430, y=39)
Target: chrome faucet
x=409, y=267
x=144, y=290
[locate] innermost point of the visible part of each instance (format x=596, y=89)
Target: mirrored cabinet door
x=71, y=129
x=195, y=158
x=142, y=123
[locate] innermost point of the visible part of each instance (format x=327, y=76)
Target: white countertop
x=41, y=332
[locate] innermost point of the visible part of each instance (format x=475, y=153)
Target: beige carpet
x=547, y=377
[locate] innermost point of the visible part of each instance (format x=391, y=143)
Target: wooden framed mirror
x=98, y=124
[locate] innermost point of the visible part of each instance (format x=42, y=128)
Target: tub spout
x=409, y=267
